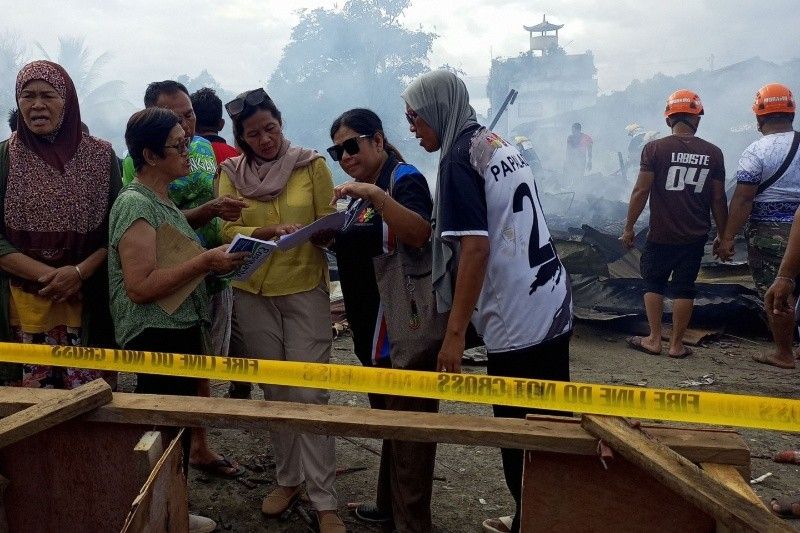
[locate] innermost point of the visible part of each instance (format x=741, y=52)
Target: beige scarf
x=262, y=180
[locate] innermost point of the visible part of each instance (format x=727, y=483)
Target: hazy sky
x=240, y=41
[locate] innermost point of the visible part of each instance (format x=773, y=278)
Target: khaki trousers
x=296, y=327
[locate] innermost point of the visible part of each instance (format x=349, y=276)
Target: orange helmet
x=683, y=101
x=773, y=98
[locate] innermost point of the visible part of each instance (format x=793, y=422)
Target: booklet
x=259, y=251
x=334, y=221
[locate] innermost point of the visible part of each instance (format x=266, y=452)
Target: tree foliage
x=103, y=107
x=337, y=59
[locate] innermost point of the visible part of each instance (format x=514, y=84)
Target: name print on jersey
x=679, y=176
x=507, y=166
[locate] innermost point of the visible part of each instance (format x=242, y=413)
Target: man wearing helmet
x=766, y=197
x=683, y=176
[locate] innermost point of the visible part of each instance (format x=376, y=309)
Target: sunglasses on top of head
x=250, y=98
x=350, y=146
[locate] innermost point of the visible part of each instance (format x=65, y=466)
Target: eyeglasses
x=182, y=147
x=251, y=98
x=350, y=146
x=411, y=117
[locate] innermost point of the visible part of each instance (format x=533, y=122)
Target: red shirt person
x=208, y=110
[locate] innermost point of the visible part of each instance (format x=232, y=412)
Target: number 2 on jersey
x=537, y=256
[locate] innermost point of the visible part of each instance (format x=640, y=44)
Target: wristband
x=80, y=274
x=787, y=278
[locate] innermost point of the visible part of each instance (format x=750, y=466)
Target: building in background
x=549, y=81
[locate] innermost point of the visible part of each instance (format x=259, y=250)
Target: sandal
x=683, y=355
x=768, y=360
x=636, y=344
x=786, y=506
x=220, y=468
x=501, y=524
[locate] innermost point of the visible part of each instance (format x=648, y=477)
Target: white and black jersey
x=487, y=189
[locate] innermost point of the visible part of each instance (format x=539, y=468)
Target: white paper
x=334, y=221
x=259, y=252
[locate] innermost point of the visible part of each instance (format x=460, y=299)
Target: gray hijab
x=441, y=99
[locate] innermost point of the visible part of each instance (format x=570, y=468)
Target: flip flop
x=684, y=354
x=636, y=344
x=789, y=457
x=767, y=360
x=785, y=506
x=220, y=468
x=501, y=524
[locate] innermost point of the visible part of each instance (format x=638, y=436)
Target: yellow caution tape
x=659, y=404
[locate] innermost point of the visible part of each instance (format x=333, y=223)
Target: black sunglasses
x=350, y=146
x=251, y=98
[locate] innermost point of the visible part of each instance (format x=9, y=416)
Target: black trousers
x=405, y=478
x=188, y=341
x=548, y=360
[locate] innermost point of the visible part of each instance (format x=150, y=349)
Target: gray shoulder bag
x=415, y=329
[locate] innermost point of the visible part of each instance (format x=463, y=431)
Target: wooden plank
x=549, y=434
x=147, y=452
x=563, y=493
x=682, y=476
x=162, y=504
x=3, y=518
x=53, y=411
x=82, y=474
x=698, y=444
x=729, y=476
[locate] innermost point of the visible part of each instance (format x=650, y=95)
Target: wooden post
x=732, y=509
x=54, y=411
x=147, y=452
x=162, y=504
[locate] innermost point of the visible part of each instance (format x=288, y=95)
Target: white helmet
x=633, y=129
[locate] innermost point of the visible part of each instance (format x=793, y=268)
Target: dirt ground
x=469, y=485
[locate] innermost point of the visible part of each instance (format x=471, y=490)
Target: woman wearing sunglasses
x=283, y=310
x=376, y=219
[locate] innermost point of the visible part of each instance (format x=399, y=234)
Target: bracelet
x=787, y=278
x=383, y=204
x=80, y=274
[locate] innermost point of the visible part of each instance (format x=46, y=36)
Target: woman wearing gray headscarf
x=494, y=261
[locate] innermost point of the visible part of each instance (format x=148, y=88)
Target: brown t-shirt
x=680, y=199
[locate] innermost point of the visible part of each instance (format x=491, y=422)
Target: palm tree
x=11, y=53
x=102, y=106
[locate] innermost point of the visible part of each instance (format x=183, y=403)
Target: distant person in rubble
x=683, y=176
x=518, y=297
x=525, y=147
x=579, y=156
x=766, y=197
x=639, y=137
